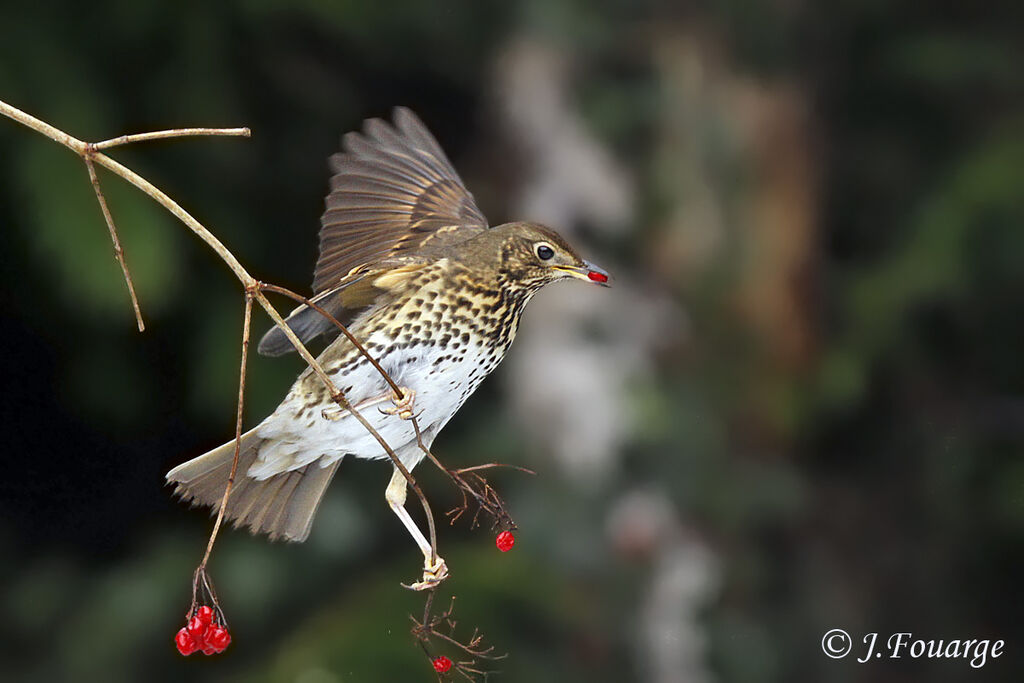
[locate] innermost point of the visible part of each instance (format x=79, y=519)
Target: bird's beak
x=587, y=272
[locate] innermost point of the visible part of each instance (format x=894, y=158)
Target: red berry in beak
x=505, y=541
x=185, y=643
x=597, y=277
x=442, y=664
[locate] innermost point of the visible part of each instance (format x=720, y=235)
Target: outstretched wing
x=393, y=193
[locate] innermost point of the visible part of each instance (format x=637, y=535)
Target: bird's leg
x=434, y=568
x=403, y=405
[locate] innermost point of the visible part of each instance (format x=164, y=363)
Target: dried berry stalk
x=442, y=627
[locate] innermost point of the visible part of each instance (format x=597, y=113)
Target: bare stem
x=173, y=133
x=118, y=251
x=238, y=429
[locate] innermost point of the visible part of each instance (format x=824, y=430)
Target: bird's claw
x=403, y=405
x=332, y=414
x=433, y=574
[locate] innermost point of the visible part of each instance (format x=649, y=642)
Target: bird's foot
x=403, y=405
x=433, y=573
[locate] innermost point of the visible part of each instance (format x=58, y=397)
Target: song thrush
x=408, y=262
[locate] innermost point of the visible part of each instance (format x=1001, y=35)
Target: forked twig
x=476, y=487
x=442, y=626
x=204, y=594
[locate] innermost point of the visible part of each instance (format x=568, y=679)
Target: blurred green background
x=800, y=408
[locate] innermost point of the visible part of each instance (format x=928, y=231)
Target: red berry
x=218, y=637
x=442, y=664
x=186, y=644
x=505, y=541
x=597, y=277
x=205, y=614
x=209, y=649
x=197, y=629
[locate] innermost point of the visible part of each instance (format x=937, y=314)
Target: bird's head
x=532, y=256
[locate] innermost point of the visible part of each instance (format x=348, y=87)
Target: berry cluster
x=442, y=664
x=505, y=541
x=202, y=633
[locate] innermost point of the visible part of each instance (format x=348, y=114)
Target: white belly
x=441, y=377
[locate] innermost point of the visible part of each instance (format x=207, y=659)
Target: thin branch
x=118, y=251
x=173, y=133
x=492, y=465
x=238, y=428
x=84, y=149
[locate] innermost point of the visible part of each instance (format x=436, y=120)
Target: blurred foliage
x=875, y=483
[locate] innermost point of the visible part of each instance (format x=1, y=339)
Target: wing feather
x=392, y=191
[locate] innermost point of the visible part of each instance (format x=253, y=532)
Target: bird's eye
x=545, y=252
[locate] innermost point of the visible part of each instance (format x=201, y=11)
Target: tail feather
x=282, y=506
